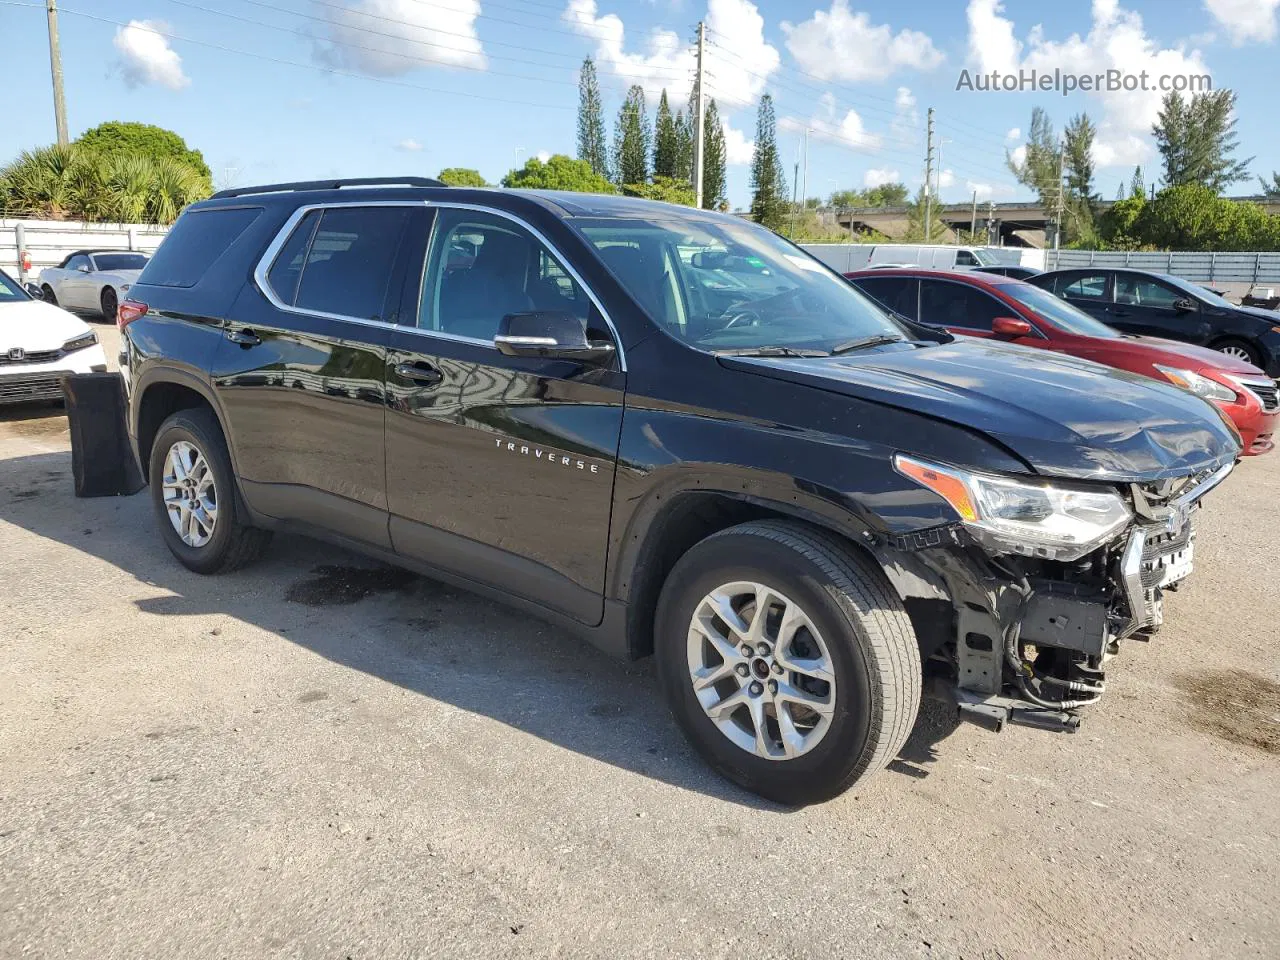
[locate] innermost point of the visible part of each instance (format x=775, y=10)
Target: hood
x=35, y=325
x=118, y=276
x=1063, y=416
x=1198, y=358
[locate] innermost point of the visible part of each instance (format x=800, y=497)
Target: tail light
x=129, y=311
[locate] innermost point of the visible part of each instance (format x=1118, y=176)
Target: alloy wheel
x=190, y=497
x=1234, y=350
x=761, y=670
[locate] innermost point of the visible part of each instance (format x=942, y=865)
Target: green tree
x=885, y=195
x=461, y=177
x=116, y=136
x=632, y=140
x=1078, y=136
x=666, y=189
x=591, y=137
x=684, y=147
x=1136, y=187
x=769, y=204
x=1116, y=226
x=1197, y=139
x=558, y=173
x=714, y=160
x=665, y=143
x=915, y=232
x=1270, y=189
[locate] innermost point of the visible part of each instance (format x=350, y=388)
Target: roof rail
x=329, y=185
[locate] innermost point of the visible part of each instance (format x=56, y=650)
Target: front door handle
x=246, y=338
x=419, y=372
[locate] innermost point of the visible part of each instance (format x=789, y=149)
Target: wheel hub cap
x=189, y=493
x=761, y=671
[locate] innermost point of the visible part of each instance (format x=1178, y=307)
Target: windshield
x=11, y=290
x=730, y=286
x=986, y=259
x=119, y=261
x=1057, y=311
x=1195, y=290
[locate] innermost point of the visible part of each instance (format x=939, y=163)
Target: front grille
x=20, y=389
x=1264, y=390
x=38, y=356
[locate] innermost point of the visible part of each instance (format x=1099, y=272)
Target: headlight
x=1197, y=384
x=79, y=343
x=1034, y=518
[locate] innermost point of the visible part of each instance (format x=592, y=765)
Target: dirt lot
x=313, y=759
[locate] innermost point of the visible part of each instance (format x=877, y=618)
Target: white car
x=38, y=344
x=94, y=280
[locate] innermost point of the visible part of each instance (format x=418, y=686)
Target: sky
x=275, y=90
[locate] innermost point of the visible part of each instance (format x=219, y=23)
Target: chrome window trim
x=267, y=261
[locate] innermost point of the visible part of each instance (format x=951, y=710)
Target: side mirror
x=1185, y=305
x=1010, y=327
x=554, y=334
x=83, y=268
x=34, y=290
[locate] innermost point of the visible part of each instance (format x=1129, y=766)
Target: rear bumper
x=27, y=382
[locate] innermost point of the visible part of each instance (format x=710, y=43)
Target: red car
x=984, y=305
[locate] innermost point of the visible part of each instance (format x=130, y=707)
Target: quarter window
x=349, y=262
x=287, y=269
x=482, y=267
x=1090, y=287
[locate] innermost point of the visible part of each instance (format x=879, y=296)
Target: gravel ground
x=313, y=758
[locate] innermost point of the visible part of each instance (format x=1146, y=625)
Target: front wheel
x=1240, y=350
x=49, y=295
x=193, y=492
x=787, y=659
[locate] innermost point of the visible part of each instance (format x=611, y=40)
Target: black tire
x=868, y=634
x=109, y=302
x=233, y=543
x=49, y=295
x=1240, y=348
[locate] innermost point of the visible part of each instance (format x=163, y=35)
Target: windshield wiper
x=864, y=342
x=770, y=351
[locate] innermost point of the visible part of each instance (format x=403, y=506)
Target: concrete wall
x=49, y=241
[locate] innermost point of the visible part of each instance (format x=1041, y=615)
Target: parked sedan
x=1160, y=305
x=92, y=280
x=1007, y=309
x=38, y=344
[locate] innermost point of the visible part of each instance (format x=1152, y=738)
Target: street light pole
x=55, y=67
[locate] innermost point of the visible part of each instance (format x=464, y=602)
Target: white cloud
x=879, y=177
x=543, y=156
x=737, y=148
x=1117, y=39
x=839, y=44
x=409, y=145
x=736, y=79
x=387, y=38
x=989, y=191
x=1019, y=154
x=1015, y=133
x=904, y=100
x=847, y=131
x=1246, y=21
x=146, y=58
x=945, y=178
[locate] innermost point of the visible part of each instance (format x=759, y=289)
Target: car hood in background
x=34, y=325
x=1064, y=417
x=117, y=277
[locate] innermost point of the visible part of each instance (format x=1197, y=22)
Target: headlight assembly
x=1201, y=386
x=80, y=342
x=1046, y=519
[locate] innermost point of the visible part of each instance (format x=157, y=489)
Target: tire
x=109, y=302
x=231, y=543
x=49, y=295
x=859, y=619
x=1241, y=350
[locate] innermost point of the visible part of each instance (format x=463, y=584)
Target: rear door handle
x=246, y=338
x=419, y=372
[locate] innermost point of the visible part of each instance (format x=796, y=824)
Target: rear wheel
x=787, y=659
x=49, y=296
x=109, y=304
x=193, y=492
x=1240, y=350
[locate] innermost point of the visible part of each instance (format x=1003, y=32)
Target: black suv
x=1162, y=305
x=676, y=433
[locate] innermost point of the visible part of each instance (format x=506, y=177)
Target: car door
x=500, y=469
x=1088, y=290
x=1145, y=305
x=959, y=307
x=300, y=370
x=73, y=288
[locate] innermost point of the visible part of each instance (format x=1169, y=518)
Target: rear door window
x=946, y=304
x=350, y=261
x=1090, y=286
x=196, y=241
x=896, y=293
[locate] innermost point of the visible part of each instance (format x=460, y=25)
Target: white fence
x=47, y=242
x=1236, y=273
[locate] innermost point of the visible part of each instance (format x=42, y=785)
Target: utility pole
x=1057, y=217
x=55, y=67
x=795, y=192
x=804, y=189
x=701, y=122
x=991, y=224
x=973, y=218
x=928, y=177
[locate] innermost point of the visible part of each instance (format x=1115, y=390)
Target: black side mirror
x=1185, y=305
x=34, y=290
x=555, y=334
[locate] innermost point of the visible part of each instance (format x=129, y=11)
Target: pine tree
x=713, y=160
x=631, y=140
x=1039, y=167
x=1196, y=140
x=768, y=182
x=591, y=139
x=1136, y=187
x=1078, y=164
x=684, y=148
x=665, y=146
